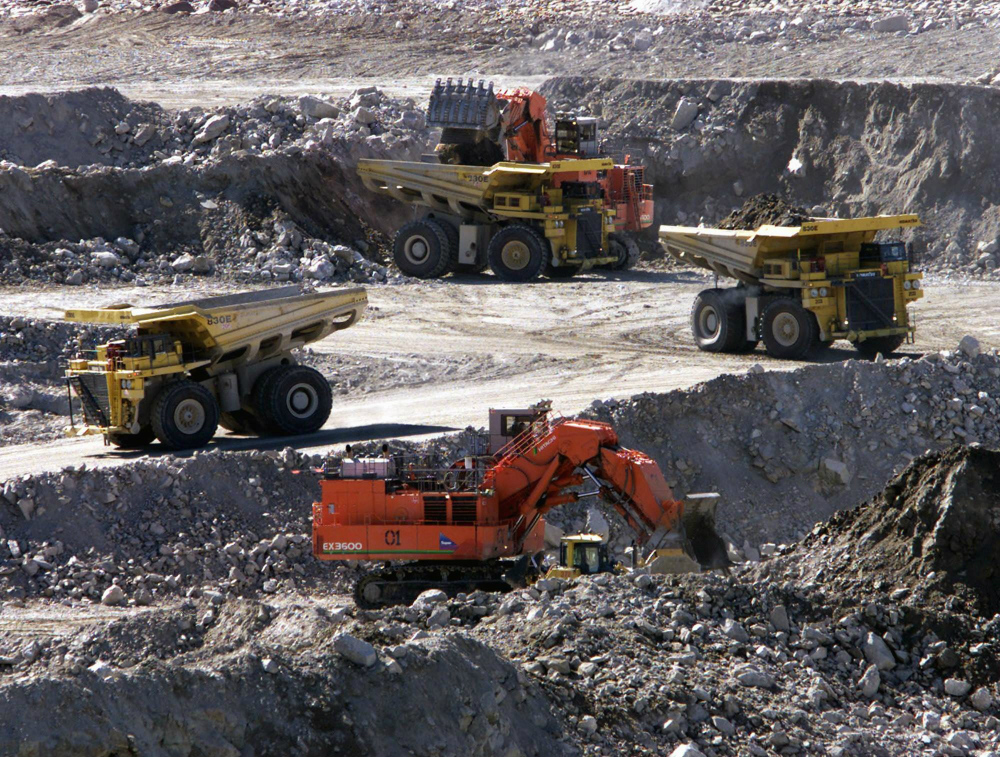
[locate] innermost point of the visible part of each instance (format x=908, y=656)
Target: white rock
x=870, y=682
x=895, y=23
x=735, y=631
x=956, y=688
x=779, y=618
x=835, y=471
x=269, y=665
x=314, y=107
x=430, y=597
x=88, y=6
x=105, y=259
x=982, y=700
x=687, y=750
x=363, y=115
x=113, y=595
x=685, y=114
x=146, y=132
x=588, y=724
x=183, y=263
x=877, y=652
x=213, y=128
x=642, y=41
x=321, y=268
x=357, y=651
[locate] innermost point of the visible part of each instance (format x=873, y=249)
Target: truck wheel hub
x=515, y=255
x=302, y=400
x=709, y=322
x=416, y=249
x=786, y=329
x=189, y=416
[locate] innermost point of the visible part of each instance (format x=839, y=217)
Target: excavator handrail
x=523, y=442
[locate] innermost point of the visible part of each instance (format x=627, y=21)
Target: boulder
x=355, y=650
x=685, y=114
x=213, y=128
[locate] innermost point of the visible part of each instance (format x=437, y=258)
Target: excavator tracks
x=404, y=583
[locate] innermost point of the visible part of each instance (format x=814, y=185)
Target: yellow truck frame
x=520, y=219
x=800, y=288
x=190, y=367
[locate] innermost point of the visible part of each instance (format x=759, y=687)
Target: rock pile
x=764, y=209
x=264, y=191
x=218, y=523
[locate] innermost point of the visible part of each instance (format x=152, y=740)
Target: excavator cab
x=508, y=424
x=577, y=137
x=581, y=555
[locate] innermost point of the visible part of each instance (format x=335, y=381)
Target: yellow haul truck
x=800, y=288
x=225, y=361
x=520, y=219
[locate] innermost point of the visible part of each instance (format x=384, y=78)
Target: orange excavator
x=480, y=126
x=462, y=527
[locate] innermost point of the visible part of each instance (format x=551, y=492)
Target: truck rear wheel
x=121, y=440
x=884, y=344
x=718, y=322
x=518, y=253
x=790, y=331
x=626, y=251
x=294, y=399
x=184, y=415
x=422, y=249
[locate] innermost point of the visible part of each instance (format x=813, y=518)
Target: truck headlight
x=823, y=291
x=126, y=384
x=907, y=284
x=916, y=284
x=814, y=293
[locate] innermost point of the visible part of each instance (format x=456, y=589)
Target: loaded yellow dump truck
x=225, y=361
x=800, y=288
x=521, y=220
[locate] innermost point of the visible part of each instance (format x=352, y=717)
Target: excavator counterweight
x=455, y=525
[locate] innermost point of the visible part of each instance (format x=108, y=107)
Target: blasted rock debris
x=765, y=209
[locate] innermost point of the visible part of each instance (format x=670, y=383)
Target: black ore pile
x=765, y=209
x=936, y=526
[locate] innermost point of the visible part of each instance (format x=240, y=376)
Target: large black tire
x=452, y=233
x=144, y=438
x=422, y=249
x=184, y=415
x=790, y=331
x=518, y=253
x=294, y=399
x=886, y=345
x=626, y=250
x=718, y=321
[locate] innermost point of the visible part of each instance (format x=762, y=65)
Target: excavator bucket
x=464, y=106
x=696, y=546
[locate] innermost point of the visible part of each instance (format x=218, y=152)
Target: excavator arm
x=535, y=471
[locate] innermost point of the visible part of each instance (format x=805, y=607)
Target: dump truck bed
x=461, y=189
x=741, y=253
x=257, y=324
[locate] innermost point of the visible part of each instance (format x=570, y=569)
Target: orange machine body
x=479, y=510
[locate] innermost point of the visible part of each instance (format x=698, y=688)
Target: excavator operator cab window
x=515, y=425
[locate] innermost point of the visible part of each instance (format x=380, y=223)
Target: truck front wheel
x=295, y=399
x=518, y=253
x=884, y=344
x=625, y=249
x=184, y=415
x=790, y=331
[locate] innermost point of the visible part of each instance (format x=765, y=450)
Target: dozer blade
x=463, y=106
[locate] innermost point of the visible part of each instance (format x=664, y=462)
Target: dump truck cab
x=581, y=555
x=800, y=288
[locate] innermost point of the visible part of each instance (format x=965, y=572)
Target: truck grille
x=588, y=234
x=870, y=304
x=92, y=389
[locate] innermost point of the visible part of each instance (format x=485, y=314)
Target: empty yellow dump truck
x=800, y=288
x=190, y=367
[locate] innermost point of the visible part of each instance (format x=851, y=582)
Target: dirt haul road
x=488, y=344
